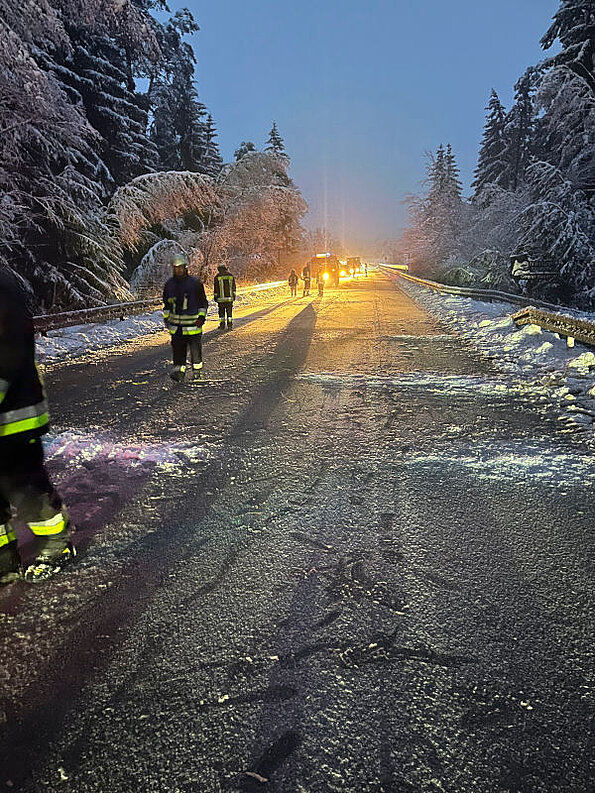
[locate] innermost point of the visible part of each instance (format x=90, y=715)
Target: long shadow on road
x=37, y=720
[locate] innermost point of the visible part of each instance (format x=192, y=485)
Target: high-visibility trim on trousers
x=53, y=525
x=28, y=412
x=187, y=330
x=6, y=536
x=23, y=419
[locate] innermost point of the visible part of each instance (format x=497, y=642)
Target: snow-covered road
x=356, y=557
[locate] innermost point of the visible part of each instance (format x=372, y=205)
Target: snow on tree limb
x=152, y=198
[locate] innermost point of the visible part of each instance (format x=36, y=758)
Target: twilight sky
x=361, y=90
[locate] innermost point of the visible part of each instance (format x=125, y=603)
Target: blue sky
x=361, y=90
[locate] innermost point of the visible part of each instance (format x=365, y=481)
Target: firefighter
x=224, y=291
x=306, y=278
x=293, y=282
x=24, y=483
x=184, y=311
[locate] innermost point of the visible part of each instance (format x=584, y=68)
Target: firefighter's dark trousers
x=225, y=310
x=26, y=487
x=181, y=343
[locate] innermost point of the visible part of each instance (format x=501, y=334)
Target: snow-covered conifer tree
x=565, y=132
x=518, y=133
x=491, y=168
x=275, y=142
x=437, y=217
x=558, y=230
x=178, y=129
x=95, y=73
x=212, y=160
x=560, y=218
x=53, y=180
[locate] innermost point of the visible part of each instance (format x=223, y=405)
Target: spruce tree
x=574, y=27
x=566, y=96
x=491, y=168
x=99, y=71
x=437, y=217
x=518, y=133
x=178, y=129
x=212, y=161
x=275, y=142
x=452, y=183
x=560, y=220
x=437, y=173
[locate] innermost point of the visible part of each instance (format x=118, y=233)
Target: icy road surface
x=357, y=557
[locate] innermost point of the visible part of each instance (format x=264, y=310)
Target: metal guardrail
x=581, y=330
x=573, y=328
x=489, y=295
x=67, y=319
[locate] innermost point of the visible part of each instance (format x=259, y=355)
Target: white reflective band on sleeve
x=4, y=384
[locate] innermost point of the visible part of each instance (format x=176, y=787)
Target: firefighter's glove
x=200, y=322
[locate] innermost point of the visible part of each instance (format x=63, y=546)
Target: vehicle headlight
x=325, y=276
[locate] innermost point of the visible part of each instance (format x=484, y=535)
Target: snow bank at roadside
x=80, y=339
x=528, y=352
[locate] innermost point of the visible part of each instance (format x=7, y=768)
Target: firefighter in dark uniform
x=293, y=283
x=25, y=487
x=306, y=278
x=184, y=311
x=224, y=292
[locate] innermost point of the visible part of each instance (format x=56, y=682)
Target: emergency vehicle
x=327, y=267
x=354, y=265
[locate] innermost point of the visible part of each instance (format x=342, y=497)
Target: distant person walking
x=306, y=278
x=293, y=283
x=184, y=312
x=224, y=290
x=24, y=483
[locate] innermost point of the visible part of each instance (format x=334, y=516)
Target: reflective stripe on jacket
x=23, y=409
x=224, y=288
x=184, y=301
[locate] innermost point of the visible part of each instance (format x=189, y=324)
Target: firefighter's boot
x=54, y=548
x=56, y=554
x=10, y=561
x=196, y=371
x=178, y=373
x=229, y=323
